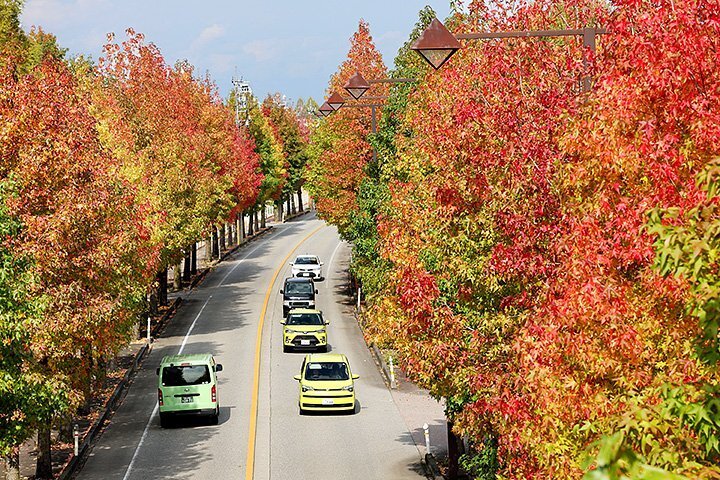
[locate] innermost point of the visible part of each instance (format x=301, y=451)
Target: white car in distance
x=307, y=266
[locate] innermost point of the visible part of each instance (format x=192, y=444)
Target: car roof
x=327, y=357
x=307, y=255
x=195, y=358
x=298, y=280
x=304, y=310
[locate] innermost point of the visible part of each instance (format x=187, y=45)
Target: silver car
x=307, y=266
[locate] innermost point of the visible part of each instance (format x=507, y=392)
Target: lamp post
x=436, y=44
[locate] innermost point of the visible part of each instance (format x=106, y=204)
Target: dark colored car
x=298, y=292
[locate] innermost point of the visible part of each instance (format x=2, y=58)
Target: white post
x=76, y=436
x=393, y=383
x=359, y=292
x=427, y=438
x=148, y=330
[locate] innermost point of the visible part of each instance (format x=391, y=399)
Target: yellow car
x=326, y=383
x=304, y=328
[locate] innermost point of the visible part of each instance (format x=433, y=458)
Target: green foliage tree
x=28, y=396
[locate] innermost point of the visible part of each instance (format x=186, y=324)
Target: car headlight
x=291, y=331
x=322, y=330
x=307, y=388
x=349, y=388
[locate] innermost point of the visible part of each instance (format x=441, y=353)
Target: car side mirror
x=282, y=322
x=282, y=292
x=218, y=367
x=291, y=264
x=297, y=377
x=355, y=377
x=321, y=264
x=157, y=371
x=316, y=291
x=327, y=322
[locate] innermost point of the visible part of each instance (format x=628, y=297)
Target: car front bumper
x=327, y=401
x=305, y=340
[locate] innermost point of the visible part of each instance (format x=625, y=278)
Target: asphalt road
x=222, y=316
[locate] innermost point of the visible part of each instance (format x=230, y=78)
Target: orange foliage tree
x=523, y=286
x=340, y=150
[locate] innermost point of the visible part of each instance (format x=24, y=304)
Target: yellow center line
x=250, y=460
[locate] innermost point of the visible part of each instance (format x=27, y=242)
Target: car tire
x=323, y=349
x=285, y=311
x=286, y=349
x=165, y=420
x=302, y=412
x=215, y=417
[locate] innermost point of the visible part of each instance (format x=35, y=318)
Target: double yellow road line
x=250, y=459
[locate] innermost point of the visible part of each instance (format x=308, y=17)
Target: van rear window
x=178, y=376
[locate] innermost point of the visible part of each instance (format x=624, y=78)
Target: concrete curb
x=112, y=403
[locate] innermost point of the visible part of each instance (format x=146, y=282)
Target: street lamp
x=434, y=45
x=336, y=101
x=325, y=109
x=357, y=86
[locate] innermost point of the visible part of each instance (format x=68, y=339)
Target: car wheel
x=165, y=421
x=215, y=417
x=302, y=412
x=323, y=349
x=286, y=349
x=285, y=312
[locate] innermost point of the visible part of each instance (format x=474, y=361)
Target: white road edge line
x=155, y=410
x=238, y=264
x=332, y=257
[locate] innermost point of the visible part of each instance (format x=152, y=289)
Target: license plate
x=186, y=399
x=304, y=342
x=328, y=401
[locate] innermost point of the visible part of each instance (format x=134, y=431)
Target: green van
x=187, y=385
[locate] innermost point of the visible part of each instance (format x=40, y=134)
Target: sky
x=286, y=46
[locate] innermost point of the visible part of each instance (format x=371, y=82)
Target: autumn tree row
x=545, y=260
x=110, y=173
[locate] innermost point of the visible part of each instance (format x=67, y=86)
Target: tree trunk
x=250, y=224
x=65, y=430
x=256, y=221
x=193, y=259
x=187, y=265
x=453, y=453
x=300, y=202
x=279, y=211
x=12, y=465
x=162, y=287
x=43, y=467
x=177, y=277
x=287, y=205
x=214, y=245
x=292, y=204
x=221, y=239
x=263, y=214
x=239, y=229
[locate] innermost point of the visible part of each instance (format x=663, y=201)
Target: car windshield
x=305, y=319
x=306, y=261
x=326, y=371
x=181, y=375
x=302, y=288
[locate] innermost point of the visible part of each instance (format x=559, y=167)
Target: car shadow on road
x=192, y=421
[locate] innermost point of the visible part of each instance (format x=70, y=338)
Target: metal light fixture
x=357, y=86
x=325, y=109
x=336, y=101
x=436, y=44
